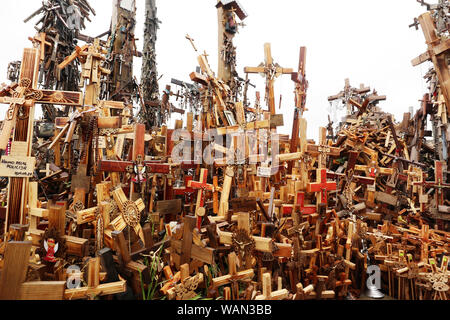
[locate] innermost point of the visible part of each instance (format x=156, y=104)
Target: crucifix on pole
x=271, y=71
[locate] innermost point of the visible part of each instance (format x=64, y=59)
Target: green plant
x=153, y=266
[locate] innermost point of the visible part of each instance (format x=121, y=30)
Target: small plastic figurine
x=51, y=249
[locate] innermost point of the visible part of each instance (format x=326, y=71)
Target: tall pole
x=149, y=77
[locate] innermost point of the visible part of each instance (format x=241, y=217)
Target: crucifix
x=271, y=71
x=348, y=93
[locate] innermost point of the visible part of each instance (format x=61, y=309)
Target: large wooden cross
x=19, y=122
x=437, y=51
x=271, y=71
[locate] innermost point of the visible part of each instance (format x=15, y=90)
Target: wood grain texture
x=42, y=290
x=14, y=269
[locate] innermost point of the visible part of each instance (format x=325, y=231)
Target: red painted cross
x=322, y=185
x=201, y=186
x=299, y=203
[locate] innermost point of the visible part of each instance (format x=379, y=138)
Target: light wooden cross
x=373, y=169
x=271, y=71
x=267, y=293
x=20, y=117
x=41, y=41
x=202, y=186
x=94, y=288
x=233, y=276
x=130, y=213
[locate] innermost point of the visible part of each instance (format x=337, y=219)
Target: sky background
x=364, y=40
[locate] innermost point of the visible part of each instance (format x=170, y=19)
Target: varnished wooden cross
x=94, y=288
x=130, y=213
x=20, y=117
x=321, y=186
x=202, y=186
x=233, y=276
x=271, y=71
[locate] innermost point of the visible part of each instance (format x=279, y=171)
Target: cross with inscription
x=19, y=120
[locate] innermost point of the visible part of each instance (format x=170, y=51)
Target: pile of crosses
x=221, y=206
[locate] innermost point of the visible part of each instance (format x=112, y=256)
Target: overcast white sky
x=364, y=40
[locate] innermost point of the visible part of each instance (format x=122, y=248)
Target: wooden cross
x=42, y=42
x=130, y=213
x=94, y=288
x=202, y=186
x=373, y=170
x=91, y=57
x=323, y=149
x=186, y=289
x=267, y=293
x=437, y=51
x=182, y=251
x=322, y=186
x=271, y=71
x=233, y=276
x=438, y=184
x=20, y=117
x=348, y=93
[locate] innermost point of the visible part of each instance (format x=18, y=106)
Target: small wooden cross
x=322, y=186
x=94, y=287
x=233, y=276
x=267, y=293
x=202, y=186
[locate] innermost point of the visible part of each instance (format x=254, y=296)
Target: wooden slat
x=42, y=290
x=14, y=269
